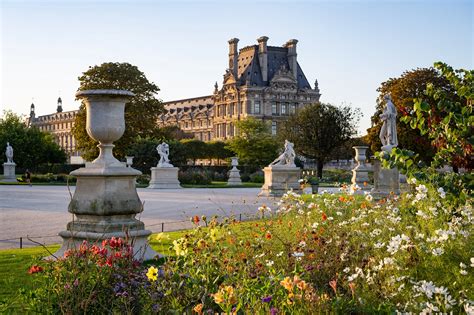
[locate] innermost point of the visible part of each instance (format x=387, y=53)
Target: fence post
x=240, y=217
x=21, y=242
x=162, y=226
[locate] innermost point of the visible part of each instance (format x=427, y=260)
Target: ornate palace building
x=59, y=125
x=262, y=81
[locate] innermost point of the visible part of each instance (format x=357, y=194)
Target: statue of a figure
x=9, y=153
x=287, y=158
x=388, y=133
x=164, y=151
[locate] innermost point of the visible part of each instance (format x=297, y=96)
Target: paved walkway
x=40, y=211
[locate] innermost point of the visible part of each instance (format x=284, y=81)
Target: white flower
x=463, y=272
x=302, y=244
x=346, y=270
x=472, y=261
x=339, y=213
x=411, y=180
x=441, y=192
x=437, y=251
x=279, y=254
x=469, y=309
x=315, y=225
x=379, y=245
x=298, y=254
x=269, y=263
x=369, y=197
x=462, y=265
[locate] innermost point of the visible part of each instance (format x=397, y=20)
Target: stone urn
x=234, y=173
x=105, y=202
x=360, y=173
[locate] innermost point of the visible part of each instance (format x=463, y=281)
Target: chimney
x=59, y=109
x=263, y=56
x=233, y=56
x=291, y=46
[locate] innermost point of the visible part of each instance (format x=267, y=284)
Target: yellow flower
x=152, y=273
x=218, y=297
x=213, y=234
x=160, y=237
x=180, y=247
x=302, y=285
x=287, y=283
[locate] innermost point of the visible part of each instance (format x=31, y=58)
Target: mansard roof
x=249, y=69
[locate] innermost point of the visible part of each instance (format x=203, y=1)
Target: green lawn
x=224, y=185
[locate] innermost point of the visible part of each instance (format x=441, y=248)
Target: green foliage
x=193, y=176
x=141, y=112
x=404, y=90
x=31, y=146
x=254, y=145
x=452, y=135
x=317, y=129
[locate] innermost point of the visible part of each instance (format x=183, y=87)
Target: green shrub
x=257, y=177
x=194, y=177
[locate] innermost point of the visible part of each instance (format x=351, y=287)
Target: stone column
x=360, y=173
x=234, y=174
x=105, y=202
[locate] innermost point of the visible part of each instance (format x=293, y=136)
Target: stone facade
x=264, y=82
x=60, y=126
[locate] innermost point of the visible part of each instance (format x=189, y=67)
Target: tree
x=141, y=112
x=218, y=150
x=452, y=135
x=317, y=129
x=404, y=90
x=254, y=145
x=31, y=146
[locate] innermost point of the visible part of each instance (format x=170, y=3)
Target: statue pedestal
x=104, y=205
x=360, y=173
x=386, y=181
x=234, y=177
x=164, y=178
x=9, y=172
x=279, y=179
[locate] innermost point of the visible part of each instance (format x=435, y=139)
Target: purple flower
x=267, y=299
x=76, y=282
x=273, y=311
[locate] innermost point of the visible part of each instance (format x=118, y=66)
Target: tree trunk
x=320, y=165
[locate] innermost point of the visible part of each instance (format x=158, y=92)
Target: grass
x=224, y=185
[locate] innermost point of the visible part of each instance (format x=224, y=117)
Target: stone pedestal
x=9, y=172
x=105, y=202
x=164, y=178
x=360, y=173
x=386, y=181
x=234, y=174
x=279, y=179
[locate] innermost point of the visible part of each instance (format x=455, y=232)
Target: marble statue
x=164, y=151
x=9, y=153
x=287, y=158
x=388, y=133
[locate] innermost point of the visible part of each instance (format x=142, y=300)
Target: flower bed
x=315, y=253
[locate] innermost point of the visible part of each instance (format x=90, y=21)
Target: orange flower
x=35, y=269
x=302, y=285
x=196, y=219
x=352, y=287
x=342, y=199
x=365, y=184
x=287, y=284
x=198, y=308
x=324, y=216
x=333, y=284
x=268, y=235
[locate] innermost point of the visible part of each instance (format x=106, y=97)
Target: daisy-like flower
x=152, y=273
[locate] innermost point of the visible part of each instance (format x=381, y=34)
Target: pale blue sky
x=350, y=47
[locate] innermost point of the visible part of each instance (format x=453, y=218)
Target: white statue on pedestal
x=287, y=158
x=9, y=153
x=164, y=151
x=388, y=133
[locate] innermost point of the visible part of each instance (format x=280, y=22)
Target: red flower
x=324, y=216
x=116, y=242
x=196, y=219
x=34, y=269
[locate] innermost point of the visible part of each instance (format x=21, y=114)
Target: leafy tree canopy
x=404, y=90
x=31, y=146
x=141, y=112
x=254, y=145
x=317, y=129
